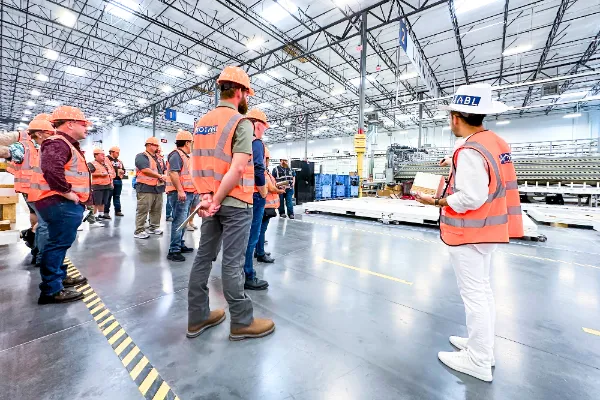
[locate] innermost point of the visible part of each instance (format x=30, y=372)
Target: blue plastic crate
x=340, y=191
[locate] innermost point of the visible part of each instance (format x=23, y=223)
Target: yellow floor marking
x=148, y=381
x=98, y=308
x=123, y=345
x=110, y=328
x=134, y=352
x=90, y=290
x=91, y=303
x=366, y=271
x=162, y=392
x=135, y=372
x=91, y=296
x=102, y=314
x=591, y=331
x=116, y=336
x=81, y=289
x=107, y=320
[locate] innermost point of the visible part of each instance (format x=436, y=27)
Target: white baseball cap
x=475, y=99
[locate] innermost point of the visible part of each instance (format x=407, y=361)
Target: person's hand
x=281, y=191
x=121, y=173
x=444, y=162
x=424, y=199
x=71, y=196
x=206, y=202
x=181, y=196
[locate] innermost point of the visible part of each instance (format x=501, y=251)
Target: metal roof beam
x=461, y=52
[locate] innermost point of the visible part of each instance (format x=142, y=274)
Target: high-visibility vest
x=272, y=197
x=284, y=174
x=24, y=171
x=212, y=154
x=116, y=164
x=185, y=176
x=107, y=174
x=145, y=179
x=500, y=217
x=76, y=173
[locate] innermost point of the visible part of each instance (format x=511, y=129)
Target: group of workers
x=220, y=171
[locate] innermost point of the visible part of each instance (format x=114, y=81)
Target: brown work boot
x=214, y=319
x=64, y=296
x=257, y=329
x=71, y=282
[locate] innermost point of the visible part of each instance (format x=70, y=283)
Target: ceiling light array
x=66, y=18
x=517, y=50
x=278, y=11
x=35, y=93
x=408, y=75
x=124, y=10
x=72, y=70
x=255, y=42
x=572, y=115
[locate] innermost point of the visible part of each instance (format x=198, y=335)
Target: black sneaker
x=105, y=216
x=265, y=259
x=177, y=257
x=119, y=214
x=185, y=249
x=266, y=254
x=256, y=284
x=70, y=281
x=64, y=296
x=283, y=216
x=292, y=216
x=169, y=219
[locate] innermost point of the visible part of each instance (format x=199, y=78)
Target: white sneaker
x=141, y=235
x=461, y=344
x=155, y=231
x=79, y=228
x=461, y=362
x=191, y=228
x=96, y=224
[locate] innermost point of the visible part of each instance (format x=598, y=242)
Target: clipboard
x=190, y=217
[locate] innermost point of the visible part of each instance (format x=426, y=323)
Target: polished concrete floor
x=341, y=333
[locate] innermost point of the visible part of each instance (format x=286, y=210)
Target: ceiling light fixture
x=24, y=119
x=166, y=88
x=110, y=118
x=279, y=11
x=30, y=103
x=123, y=110
x=122, y=12
x=274, y=125
x=142, y=101
x=201, y=70
x=338, y=91
x=289, y=136
x=53, y=103
x=287, y=123
x=287, y=103
x=66, y=18
x=50, y=54
x=573, y=115
x=502, y=122
x=42, y=77
x=264, y=105
x=311, y=141
x=265, y=138
x=464, y=6
x=573, y=95
x=69, y=69
x=339, y=114
x=27, y=112
x=119, y=103
x=264, y=77
x=322, y=117
x=35, y=93
x=255, y=42
x=173, y=72
x=408, y=75
x=517, y=50
x=147, y=120
x=369, y=109
x=194, y=102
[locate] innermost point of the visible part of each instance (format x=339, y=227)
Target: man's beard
x=243, y=106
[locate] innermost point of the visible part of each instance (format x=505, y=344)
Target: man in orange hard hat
x=180, y=192
x=480, y=208
x=150, y=186
x=102, y=177
x=222, y=171
x=61, y=187
x=113, y=159
x=259, y=120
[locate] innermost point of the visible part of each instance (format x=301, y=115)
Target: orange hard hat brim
x=250, y=92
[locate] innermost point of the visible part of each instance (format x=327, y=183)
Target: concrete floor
x=341, y=333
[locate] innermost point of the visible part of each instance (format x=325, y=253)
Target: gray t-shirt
x=142, y=162
x=175, y=161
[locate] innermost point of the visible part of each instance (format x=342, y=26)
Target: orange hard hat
x=236, y=75
x=152, y=140
x=267, y=153
x=98, y=151
x=184, y=135
x=38, y=124
x=258, y=115
x=68, y=113
x=114, y=148
x=45, y=117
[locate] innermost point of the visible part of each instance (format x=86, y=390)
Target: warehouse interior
x=362, y=290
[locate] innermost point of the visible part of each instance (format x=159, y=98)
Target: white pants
x=472, y=265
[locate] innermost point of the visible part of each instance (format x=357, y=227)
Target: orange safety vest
x=24, y=171
x=76, y=173
x=272, y=197
x=145, y=179
x=185, y=176
x=212, y=154
x=500, y=217
x=106, y=177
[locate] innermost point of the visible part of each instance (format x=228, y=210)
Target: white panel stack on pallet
x=557, y=214
x=7, y=191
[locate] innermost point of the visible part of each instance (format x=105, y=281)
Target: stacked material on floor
x=392, y=210
x=8, y=207
x=564, y=215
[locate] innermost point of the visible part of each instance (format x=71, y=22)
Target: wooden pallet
x=8, y=208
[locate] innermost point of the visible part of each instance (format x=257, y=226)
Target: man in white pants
x=482, y=208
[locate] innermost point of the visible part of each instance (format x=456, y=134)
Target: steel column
x=420, y=119
x=153, y=120
x=363, y=73
x=306, y=137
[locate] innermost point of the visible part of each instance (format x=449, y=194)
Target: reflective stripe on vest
x=272, y=199
x=105, y=178
x=185, y=177
x=77, y=175
x=24, y=171
x=500, y=217
x=212, y=155
x=145, y=179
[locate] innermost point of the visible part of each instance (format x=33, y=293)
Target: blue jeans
x=257, y=216
x=170, y=206
x=180, y=213
x=286, y=199
x=41, y=232
x=62, y=220
x=260, y=245
x=116, y=197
